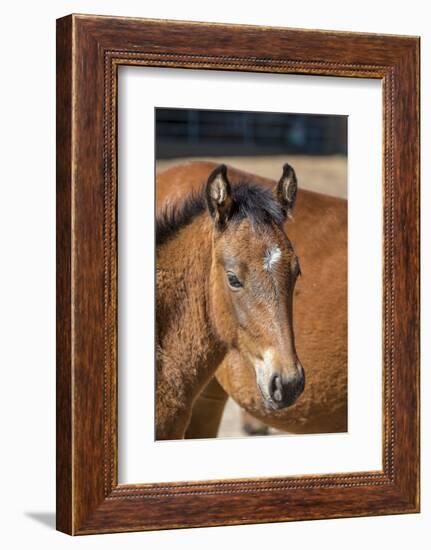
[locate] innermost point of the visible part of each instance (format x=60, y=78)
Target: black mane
x=251, y=201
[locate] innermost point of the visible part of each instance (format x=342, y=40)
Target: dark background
x=193, y=132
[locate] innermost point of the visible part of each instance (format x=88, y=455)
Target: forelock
x=256, y=203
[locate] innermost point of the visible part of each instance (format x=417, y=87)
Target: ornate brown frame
x=89, y=50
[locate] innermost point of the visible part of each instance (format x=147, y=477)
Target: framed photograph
x=237, y=274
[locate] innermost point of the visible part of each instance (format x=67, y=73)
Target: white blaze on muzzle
x=263, y=369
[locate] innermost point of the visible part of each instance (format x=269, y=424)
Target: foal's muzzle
x=284, y=390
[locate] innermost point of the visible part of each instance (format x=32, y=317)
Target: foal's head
x=253, y=274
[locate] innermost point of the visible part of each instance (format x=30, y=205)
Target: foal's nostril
x=276, y=390
x=284, y=391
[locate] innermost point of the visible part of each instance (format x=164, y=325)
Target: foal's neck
x=188, y=350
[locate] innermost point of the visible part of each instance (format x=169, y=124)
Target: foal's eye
x=233, y=280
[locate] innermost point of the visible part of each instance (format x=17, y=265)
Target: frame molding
x=89, y=51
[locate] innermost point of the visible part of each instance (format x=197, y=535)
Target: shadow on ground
x=45, y=518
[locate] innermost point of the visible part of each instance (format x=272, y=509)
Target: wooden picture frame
x=89, y=51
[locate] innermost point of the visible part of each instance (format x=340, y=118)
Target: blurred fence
x=194, y=132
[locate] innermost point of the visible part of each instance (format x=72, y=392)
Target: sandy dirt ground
x=326, y=175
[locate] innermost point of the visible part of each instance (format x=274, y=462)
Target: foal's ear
x=285, y=190
x=219, y=196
